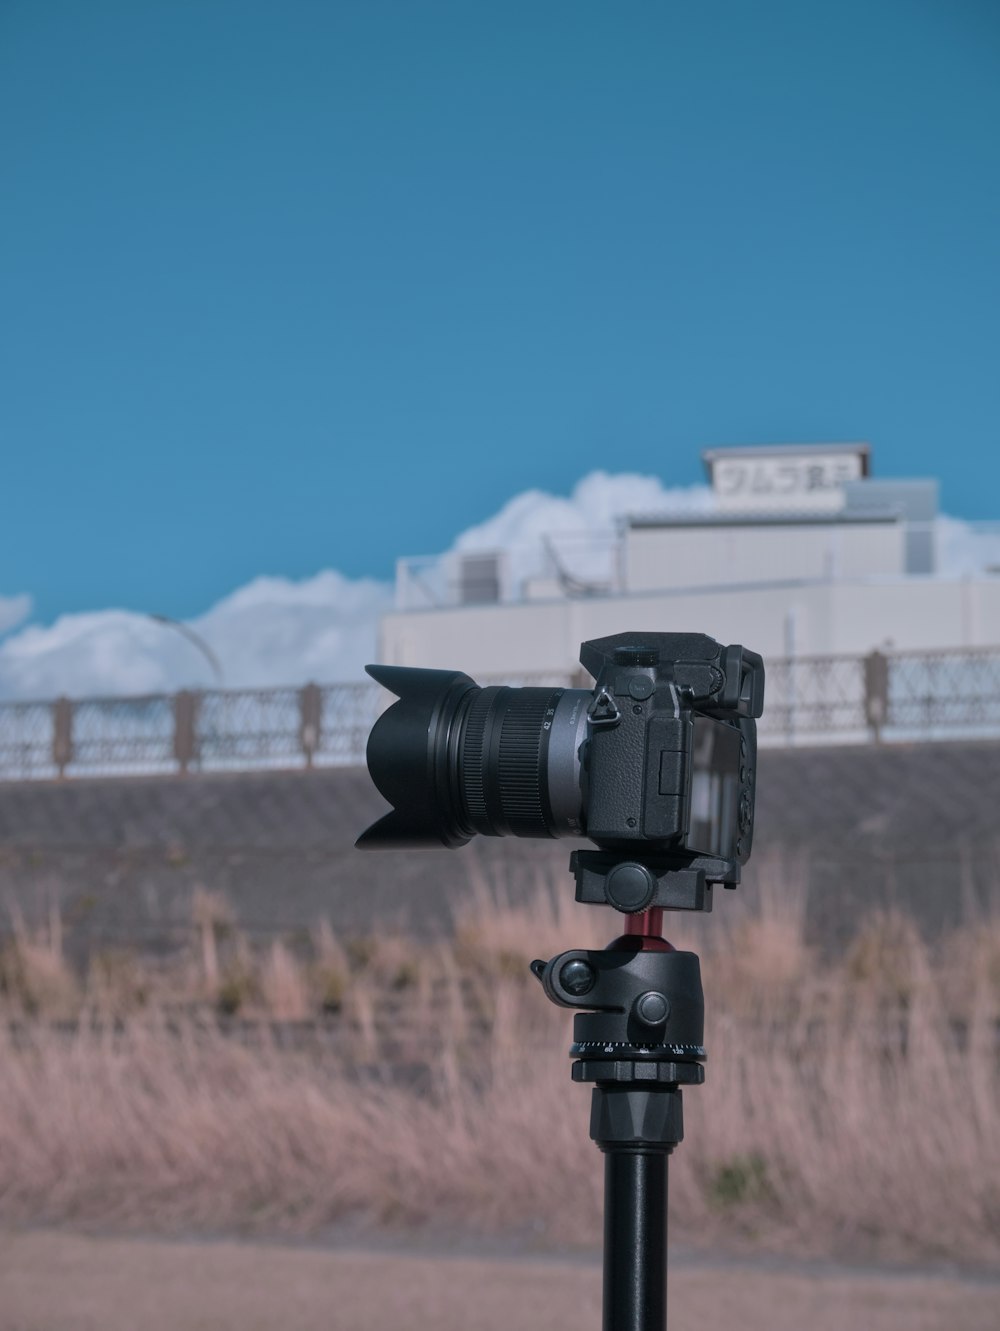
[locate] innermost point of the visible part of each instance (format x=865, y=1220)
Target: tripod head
x=639, y=1002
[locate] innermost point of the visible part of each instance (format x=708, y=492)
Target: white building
x=801, y=553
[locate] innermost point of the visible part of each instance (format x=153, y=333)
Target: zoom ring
x=519, y=764
x=502, y=767
x=474, y=758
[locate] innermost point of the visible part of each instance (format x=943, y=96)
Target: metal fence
x=218, y=730
x=883, y=697
x=879, y=698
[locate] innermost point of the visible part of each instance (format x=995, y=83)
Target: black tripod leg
x=635, y=1239
x=636, y=1128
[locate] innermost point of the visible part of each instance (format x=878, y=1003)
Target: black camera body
x=672, y=746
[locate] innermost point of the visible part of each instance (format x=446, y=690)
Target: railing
x=218, y=730
x=561, y=564
x=882, y=697
x=578, y=564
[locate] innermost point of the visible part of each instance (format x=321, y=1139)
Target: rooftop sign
x=785, y=477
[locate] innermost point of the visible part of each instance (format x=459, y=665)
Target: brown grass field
x=373, y=1087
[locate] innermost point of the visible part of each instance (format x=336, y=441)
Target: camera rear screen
x=715, y=786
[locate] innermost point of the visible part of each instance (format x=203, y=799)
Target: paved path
x=60, y=1282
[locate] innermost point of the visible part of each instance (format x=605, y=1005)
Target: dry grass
x=850, y=1104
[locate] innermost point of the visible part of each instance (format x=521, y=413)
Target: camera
x=656, y=763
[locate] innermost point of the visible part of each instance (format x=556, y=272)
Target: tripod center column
x=636, y=1129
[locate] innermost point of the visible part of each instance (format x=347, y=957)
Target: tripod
x=639, y=1040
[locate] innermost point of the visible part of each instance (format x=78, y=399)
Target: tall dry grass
x=851, y=1103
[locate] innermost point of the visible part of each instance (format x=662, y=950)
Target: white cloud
x=276, y=631
x=272, y=631
x=595, y=504
x=104, y=651
x=279, y=631
x=963, y=548
x=545, y=535
x=14, y=610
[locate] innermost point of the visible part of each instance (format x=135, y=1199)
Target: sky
x=290, y=290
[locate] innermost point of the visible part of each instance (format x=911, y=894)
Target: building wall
x=716, y=555
x=777, y=620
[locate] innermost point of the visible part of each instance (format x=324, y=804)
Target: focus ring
x=473, y=761
x=504, y=749
x=520, y=763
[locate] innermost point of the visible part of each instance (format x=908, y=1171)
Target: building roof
x=768, y=517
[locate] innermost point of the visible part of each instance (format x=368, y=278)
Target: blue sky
x=293, y=286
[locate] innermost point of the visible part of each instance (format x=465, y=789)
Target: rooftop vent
x=479, y=579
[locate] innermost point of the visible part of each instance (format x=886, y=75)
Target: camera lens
x=504, y=765
x=455, y=759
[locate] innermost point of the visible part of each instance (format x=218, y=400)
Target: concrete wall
x=851, y=829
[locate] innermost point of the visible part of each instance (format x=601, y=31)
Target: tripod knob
x=630, y=888
x=578, y=977
x=651, y=1009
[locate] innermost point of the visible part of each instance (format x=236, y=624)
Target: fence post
x=310, y=720
x=62, y=734
x=876, y=692
x=185, y=729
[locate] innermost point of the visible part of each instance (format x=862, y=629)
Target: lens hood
x=411, y=758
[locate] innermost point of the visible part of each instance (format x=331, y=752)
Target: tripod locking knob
x=652, y=1009
x=630, y=888
x=578, y=977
